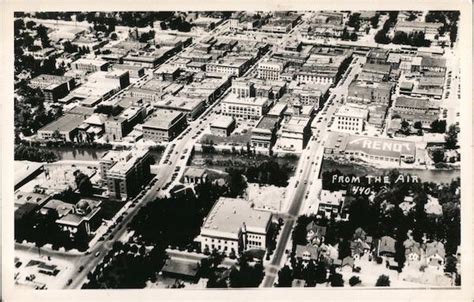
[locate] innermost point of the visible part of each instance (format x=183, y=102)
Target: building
x=247, y=108
x=233, y=225
x=386, y=246
x=223, y=126
x=322, y=68
x=369, y=149
x=331, y=203
x=375, y=72
x=351, y=119
x=229, y=66
x=134, y=71
x=435, y=254
x=378, y=56
x=90, y=65
x=84, y=216
x=264, y=133
x=415, y=109
x=294, y=133
x=270, y=70
x=64, y=128
x=126, y=172
x=191, y=107
x=365, y=93
x=53, y=87
x=306, y=253
x=117, y=127
x=428, y=28
x=194, y=175
x=164, y=125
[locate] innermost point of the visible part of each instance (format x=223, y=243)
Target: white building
x=248, y=108
x=270, y=70
x=351, y=119
x=294, y=133
x=233, y=225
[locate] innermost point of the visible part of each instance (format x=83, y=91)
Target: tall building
x=248, y=108
x=164, y=126
x=125, y=172
x=233, y=225
x=351, y=119
x=270, y=70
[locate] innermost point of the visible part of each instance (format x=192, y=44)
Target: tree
x=451, y=137
x=383, y=280
x=113, y=36
x=450, y=266
x=354, y=280
x=438, y=126
x=418, y=125
x=374, y=21
x=437, y=156
x=285, y=277
x=83, y=183
x=336, y=280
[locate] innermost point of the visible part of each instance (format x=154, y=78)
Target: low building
x=331, y=203
x=306, y=253
x=351, y=119
x=125, y=172
x=233, y=225
x=435, y=254
x=134, y=71
x=84, y=216
x=369, y=149
x=369, y=93
x=164, y=125
x=375, y=72
x=90, y=65
x=386, y=247
x=232, y=67
x=194, y=175
x=182, y=269
x=223, y=126
x=247, y=108
x=415, y=109
x=428, y=28
x=191, y=107
x=64, y=128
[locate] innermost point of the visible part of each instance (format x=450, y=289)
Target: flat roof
x=229, y=215
x=223, y=122
x=66, y=123
x=163, y=119
x=350, y=111
x=255, y=101
x=371, y=145
x=414, y=102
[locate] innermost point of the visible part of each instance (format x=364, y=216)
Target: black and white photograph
x=227, y=149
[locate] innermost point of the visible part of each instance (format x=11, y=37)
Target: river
x=89, y=154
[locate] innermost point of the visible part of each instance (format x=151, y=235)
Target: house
x=435, y=254
x=315, y=232
x=195, y=175
x=306, y=253
x=182, y=269
x=412, y=250
x=347, y=263
x=386, y=247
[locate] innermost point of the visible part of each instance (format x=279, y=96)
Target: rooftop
x=230, y=214
x=349, y=111
x=163, y=119
x=223, y=122
x=66, y=123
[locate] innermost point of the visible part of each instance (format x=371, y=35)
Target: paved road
x=311, y=161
